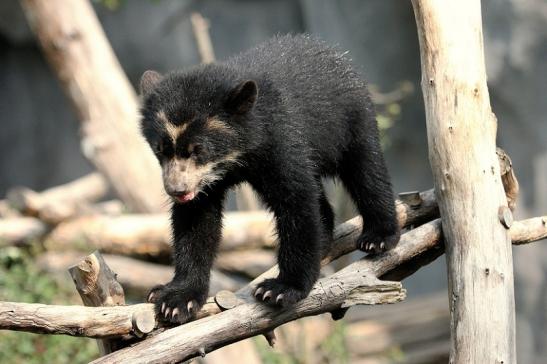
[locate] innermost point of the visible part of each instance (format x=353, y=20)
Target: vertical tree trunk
x=76, y=47
x=461, y=132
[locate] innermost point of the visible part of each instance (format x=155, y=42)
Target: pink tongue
x=186, y=197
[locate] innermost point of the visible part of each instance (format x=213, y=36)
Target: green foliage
x=334, y=346
x=333, y=349
x=21, y=281
x=389, y=109
x=270, y=356
x=110, y=4
x=113, y=5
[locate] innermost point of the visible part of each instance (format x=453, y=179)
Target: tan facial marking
x=174, y=131
x=183, y=174
x=230, y=158
x=215, y=123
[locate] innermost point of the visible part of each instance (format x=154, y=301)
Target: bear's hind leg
x=364, y=174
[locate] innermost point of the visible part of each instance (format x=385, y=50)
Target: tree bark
x=202, y=336
x=49, y=319
x=249, y=318
x=62, y=202
x=20, y=231
x=93, y=322
x=150, y=235
x=137, y=277
x=461, y=131
x=97, y=286
x=79, y=53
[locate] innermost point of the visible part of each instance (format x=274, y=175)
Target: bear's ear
x=149, y=81
x=243, y=97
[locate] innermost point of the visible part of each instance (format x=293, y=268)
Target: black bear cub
x=280, y=116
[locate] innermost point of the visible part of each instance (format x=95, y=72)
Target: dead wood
x=249, y=319
x=20, y=231
x=508, y=178
x=93, y=322
x=150, y=235
x=249, y=263
x=76, y=47
x=137, y=277
x=59, y=203
x=461, y=130
x=97, y=285
x=413, y=244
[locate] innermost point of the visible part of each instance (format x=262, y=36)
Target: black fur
x=297, y=112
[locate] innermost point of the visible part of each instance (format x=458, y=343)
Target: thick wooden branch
x=529, y=230
x=20, y=230
x=150, y=235
x=461, y=131
x=249, y=263
x=199, y=337
x=93, y=322
x=78, y=51
x=25, y=317
x=61, y=202
x=137, y=277
x=249, y=319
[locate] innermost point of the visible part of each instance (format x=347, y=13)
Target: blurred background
x=40, y=148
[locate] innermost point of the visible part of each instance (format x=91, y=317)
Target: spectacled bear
x=280, y=116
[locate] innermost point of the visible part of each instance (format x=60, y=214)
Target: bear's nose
x=178, y=190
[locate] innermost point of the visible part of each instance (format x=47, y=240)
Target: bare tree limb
x=150, y=235
x=61, y=202
x=202, y=336
x=249, y=319
x=529, y=230
x=78, y=51
x=20, y=230
x=136, y=276
x=200, y=26
x=94, y=322
x=97, y=285
x=25, y=317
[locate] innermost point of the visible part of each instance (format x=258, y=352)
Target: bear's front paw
x=373, y=242
x=176, y=303
x=277, y=293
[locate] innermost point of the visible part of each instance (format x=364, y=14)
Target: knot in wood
x=226, y=300
x=506, y=216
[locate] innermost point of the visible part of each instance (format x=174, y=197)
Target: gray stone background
x=39, y=145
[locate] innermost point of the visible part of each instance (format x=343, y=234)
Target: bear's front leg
x=295, y=204
x=196, y=235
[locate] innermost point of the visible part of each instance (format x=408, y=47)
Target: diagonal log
x=104, y=322
x=250, y=319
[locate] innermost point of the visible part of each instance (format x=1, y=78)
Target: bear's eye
x=159, y=147
x=195, y=149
